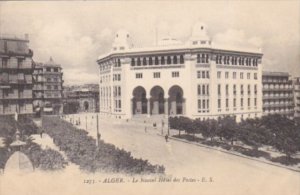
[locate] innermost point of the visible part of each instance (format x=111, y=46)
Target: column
x=148, y=107
x=166, y=107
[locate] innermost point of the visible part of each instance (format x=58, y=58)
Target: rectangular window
x=234, y=89
x=227, y=103
x=156, y=75
x=249, y=90
x=242, y=102
x=203, y=104
x=234, y=75
x=48, y=87
x=234, y=103
x=242, y=89
x=255, y=89
x=198, y=74
x=248, y=75
x=219, y=89
x=203, y=74
x=248, y=102
x=207, y=89
x=139, y=75
x=119, y=91
x=255, y=101
x=227, y=89
x=241, y=75
x=20, y=62
x=255, y=76
x=219, y=103
x=207, y=74
x=199, y=89
x=219, y=74
x=203, y=90
x=199, y=104
x=207, y=104
x=4, y=62
x=175, y=74
x=226, y=75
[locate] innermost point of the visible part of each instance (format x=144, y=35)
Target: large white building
x=196, y=79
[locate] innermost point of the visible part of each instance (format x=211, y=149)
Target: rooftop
x=199, y=39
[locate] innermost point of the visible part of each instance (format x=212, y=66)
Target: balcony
x=265, y=97
x=278, y=105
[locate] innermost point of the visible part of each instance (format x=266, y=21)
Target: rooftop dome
x=122, y=41
x=199, y=34
x=51, y=62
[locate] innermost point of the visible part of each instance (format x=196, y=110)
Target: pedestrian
x=41, y=133
x=166, y=137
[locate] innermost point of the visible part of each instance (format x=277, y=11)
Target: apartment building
x=16, y=69
x=48, y=88
x=278, y=97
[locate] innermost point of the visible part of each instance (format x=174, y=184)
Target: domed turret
x=199, y=35
x=122, y=41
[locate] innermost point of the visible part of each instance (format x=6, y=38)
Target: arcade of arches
x=159, y=102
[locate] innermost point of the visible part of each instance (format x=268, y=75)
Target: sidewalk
x=261, y=159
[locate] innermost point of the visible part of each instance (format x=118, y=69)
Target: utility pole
x=86, y=122
x=98, y=134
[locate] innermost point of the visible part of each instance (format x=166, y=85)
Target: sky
x=75, y=33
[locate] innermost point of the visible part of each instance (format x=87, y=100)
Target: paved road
x=232, y=174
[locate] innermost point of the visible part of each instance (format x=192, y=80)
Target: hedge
x=81, y=149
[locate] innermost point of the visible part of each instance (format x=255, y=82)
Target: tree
x=228, y=127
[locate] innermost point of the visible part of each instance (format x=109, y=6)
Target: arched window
x=156, y=61
x=144, y=61
x=181, y=59
x=139, y=62
x=175, y=59
x=132, y=62
x=150, y=61
x=169, y=60
x=162, y=60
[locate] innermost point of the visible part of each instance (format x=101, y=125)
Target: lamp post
x=98, y=134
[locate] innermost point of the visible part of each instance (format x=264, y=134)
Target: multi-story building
x=278, y=95
x=16, y=69
x=297, y=96
x=197, y=79
x=87, y=97
x=48, y=86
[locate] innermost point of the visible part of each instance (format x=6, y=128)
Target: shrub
x=47, y=159
x=286, y=160
x=81, y=149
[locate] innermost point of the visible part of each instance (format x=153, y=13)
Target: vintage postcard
x=150, y=97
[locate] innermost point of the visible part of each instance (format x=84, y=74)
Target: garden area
x=250, y=137
x=81, y=149
x=47, y=159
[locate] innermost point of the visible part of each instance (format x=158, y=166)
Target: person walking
x=166, y=137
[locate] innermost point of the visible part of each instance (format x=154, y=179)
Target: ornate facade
x=195, y=79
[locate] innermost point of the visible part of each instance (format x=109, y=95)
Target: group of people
x=155, y=125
